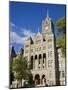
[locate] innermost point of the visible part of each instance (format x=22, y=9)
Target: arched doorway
x=43, y=80
x=37, y=79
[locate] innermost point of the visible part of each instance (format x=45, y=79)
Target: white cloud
x=12, y=24
x=16, y=38
x=28, y=33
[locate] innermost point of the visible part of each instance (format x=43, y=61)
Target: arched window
x=44, y=59
x=44, y=55
x=44, y=39
x=43, y=76
x=35, y=56
x=43, y=79
x=31, y=57
x=40, y=56
x=37, y=79
x=31, y=62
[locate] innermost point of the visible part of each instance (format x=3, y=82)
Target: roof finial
x=47, y=14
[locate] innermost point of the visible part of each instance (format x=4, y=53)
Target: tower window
x=49, y=63
x=44, y=39
x=50, y=54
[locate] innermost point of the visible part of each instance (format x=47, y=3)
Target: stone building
x=44, y=58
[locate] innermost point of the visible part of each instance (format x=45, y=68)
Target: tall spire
x=47, y=14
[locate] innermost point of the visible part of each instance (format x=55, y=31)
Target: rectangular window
x=49, y=54
x=49, y=63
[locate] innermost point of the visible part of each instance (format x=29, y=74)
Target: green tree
x=20, y=68
x=61, y=25
x=61, y=29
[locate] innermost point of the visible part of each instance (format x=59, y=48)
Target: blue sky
x=26, y=18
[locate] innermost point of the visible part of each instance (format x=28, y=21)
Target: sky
x=26, y=18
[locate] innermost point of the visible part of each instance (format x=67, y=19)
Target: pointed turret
x=47, y=14
x=47, y=24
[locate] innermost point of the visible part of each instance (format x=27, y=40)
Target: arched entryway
x=37, y=79
x=43, y=80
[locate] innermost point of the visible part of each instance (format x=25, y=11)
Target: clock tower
x=47, y=25
x=50, y=42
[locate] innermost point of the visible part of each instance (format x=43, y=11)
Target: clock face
x=46, y=28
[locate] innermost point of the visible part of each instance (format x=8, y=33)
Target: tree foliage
x=61, y=43
x=61, y=28
x=61, y=25
x=20, y=68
